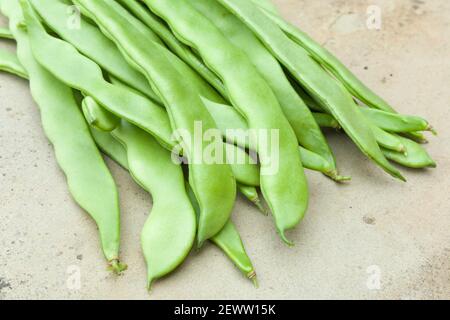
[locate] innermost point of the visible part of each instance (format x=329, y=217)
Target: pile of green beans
x=127, y=75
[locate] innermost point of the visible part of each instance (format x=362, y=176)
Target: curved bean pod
x=331, y=63
x=230, y=242
x=335, y=66
x=91, y=42
x=395, y=122
x=234, y=128
x=252, y=194
x=11, y=64
x=228, y=239
x=297, y=113
x=213, y=184
x=169, y=233
x=81, y=73
x=330, y=94
x=415, y=157
x=383, y=138
x=174, y=44
x=246, y=170
x=89, y=180
x=257, y=103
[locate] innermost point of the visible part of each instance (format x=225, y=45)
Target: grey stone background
x=372, y=224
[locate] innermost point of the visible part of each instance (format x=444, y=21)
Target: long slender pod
x=335, y=66
x=230, y=242
x=329, y=61
x=90, y=41
x=297, y=113
x=214, y=183
x=10, y=63
x=251, y=193
x=330, y=94
x=169, y=233
x=81, y=73
x=395, y=122
x=256, y=101
x=184, y=52
x=88, y=178
x=415, y=156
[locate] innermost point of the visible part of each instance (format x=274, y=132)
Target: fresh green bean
x=255, y=101
x=5, y=33
x=384, y=139
x=330, y=62
x=81, y=73
x=230, y=242
x=174, y=44
x=89, y=180
x=10, y=63
x=169, y=233
x=234, y=128
x=91, y=42
x=335, y=66
x=246, y=171
x=394, y=122
x=415, y=156
x=251, y=194
x=297, y=113
x=228, y=239
x=330, y=94
x=213, y=184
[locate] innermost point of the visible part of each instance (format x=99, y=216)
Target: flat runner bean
x=330, y=94
x=75, y=150
x=255, y=101
x=297, y=113
x=213, y=184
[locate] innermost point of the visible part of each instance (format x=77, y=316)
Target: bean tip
x=252, y=276
x=117, y=267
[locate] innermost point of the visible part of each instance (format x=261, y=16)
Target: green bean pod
x=330, y=94
x=169, y=233
x=230, y=242
x=81, y=73
x=335, y=66
x=331, y=63
x=297, y=113
x=255, y=101
x=10, y=63
x=174, y=44
x=91, y=42
x=415, y=156
x=88, y=178
x=213, y=184
x=251, y=193
x=398, y=123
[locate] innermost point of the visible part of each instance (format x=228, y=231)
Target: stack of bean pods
x=119, y=77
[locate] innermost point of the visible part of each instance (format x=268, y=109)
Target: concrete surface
x=353, y=233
